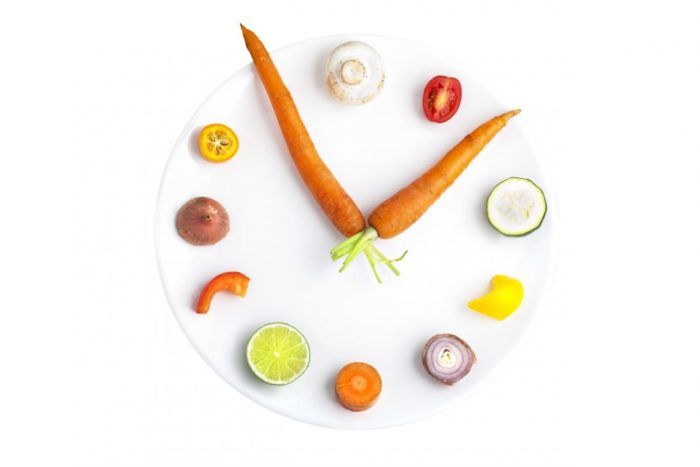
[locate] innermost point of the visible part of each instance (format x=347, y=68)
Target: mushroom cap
x=355, y=73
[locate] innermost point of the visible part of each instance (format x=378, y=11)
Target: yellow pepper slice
x=502, y=300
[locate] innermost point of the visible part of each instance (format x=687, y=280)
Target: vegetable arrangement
x=277, y=353
x=394, y=215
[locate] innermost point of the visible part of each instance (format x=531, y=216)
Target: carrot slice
x=358, y=386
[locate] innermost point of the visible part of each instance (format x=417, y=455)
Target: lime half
x=278, y=354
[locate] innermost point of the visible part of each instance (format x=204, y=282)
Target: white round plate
x=281, y=239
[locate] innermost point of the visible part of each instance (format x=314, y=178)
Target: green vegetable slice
x=516, y=207
x=278, y=353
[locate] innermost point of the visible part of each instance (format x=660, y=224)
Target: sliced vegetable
x=217, y=142
x=516, y=207
x=233, y=282
x=502, y=300
x=335, y=202
x=202, y=221
x=447, y=358
x=358, y=386
x=355, y=73
x=278, y=354
x=399, y=212
x=441, y=98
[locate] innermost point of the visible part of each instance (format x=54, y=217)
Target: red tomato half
x=441, y=98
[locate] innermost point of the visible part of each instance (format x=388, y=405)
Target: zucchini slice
x=516, y=207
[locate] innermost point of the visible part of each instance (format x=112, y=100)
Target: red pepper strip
x=229, y=281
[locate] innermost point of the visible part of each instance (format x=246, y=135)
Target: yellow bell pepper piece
x=502, y=300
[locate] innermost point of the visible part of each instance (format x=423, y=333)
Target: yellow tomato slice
x=217, y=143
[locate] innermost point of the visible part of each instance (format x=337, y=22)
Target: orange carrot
x=403, y=209
x=335, y=202
x=358, y=386
x=399, y=212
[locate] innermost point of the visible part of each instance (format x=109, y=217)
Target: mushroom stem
x=352, y=72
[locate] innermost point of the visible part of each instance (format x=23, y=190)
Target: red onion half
x=448, y=358
x=202, y=221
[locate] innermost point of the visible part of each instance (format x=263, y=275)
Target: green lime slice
x=278, y=353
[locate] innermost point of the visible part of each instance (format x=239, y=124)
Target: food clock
x=278, y=353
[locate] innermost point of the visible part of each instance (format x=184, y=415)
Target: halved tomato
x=217, y=142
x=441, y=98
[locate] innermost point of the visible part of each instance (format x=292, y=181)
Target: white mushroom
x=355, y=73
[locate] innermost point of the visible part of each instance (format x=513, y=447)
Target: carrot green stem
x=359, y=243
x=345, y=247
x=372, y=264
x=388, y=262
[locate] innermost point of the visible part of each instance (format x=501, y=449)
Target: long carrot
x=403, y=209
x=335, y=202
x=399, y=212
x=358, y=386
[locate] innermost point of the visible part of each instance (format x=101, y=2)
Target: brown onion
x=448, y=358
x=202, y=221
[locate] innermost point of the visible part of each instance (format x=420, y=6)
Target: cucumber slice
x=516, y=207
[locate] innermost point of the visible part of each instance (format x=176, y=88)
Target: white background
x=97, y=373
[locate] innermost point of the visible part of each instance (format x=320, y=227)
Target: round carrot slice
x=217, y=143
x=358, y=386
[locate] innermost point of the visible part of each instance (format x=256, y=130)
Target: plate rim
x=541, y=303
